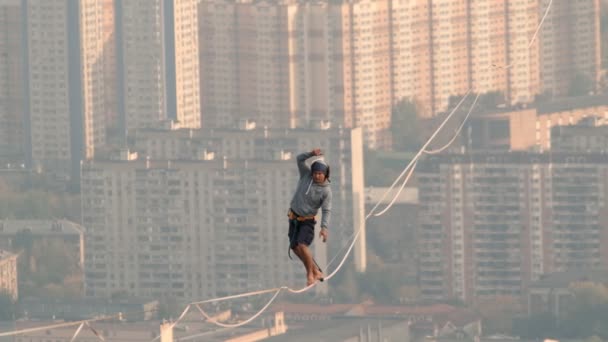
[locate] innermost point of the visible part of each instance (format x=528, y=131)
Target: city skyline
x=165, y=132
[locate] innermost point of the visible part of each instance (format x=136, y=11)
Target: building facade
x=110, y=76
x=198, y=214
x=64, y=83
x=570, y=52
x=157, y=51
x=8, y=274
x=491, y=224
x=291, y=63
x=12, y=138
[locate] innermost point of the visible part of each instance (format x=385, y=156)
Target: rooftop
x=335, y=330
x=565, y=279
x=6, y=254
x=41, y=227
x=363, y=309
x=548, y=107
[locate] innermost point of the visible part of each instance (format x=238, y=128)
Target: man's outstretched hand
x=317, y=152
x=324, y=234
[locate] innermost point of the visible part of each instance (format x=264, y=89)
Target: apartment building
x=570, y=50
x=12, y=89
x=157, y=51
x=211, y=222
x=64, y=83
x=290, y=63
x=491, y=224
x=110, y=76
x=8, y=274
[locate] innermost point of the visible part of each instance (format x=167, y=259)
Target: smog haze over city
x=303, y=170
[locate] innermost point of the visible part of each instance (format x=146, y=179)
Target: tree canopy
x=405, y=126
x=8, y=308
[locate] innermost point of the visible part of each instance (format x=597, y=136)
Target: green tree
x=385, y=284
x=586, y=312
x=543, y=97
x=381, y=168
x=8, y=307
x=580, y=85
x=169, y=308
x=538, y=326
x=344, y=288
x=405, y=126
x=497, y=313
x=23, y=241
x=31, y=205
x=53, y=263
x=46, y=268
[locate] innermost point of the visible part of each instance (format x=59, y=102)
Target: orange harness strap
x=294, y=216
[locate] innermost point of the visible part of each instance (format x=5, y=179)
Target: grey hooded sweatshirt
x=310, y=196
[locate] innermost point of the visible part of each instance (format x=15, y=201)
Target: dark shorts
x=304, y=233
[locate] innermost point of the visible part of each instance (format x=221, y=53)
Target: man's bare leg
x=312, y=273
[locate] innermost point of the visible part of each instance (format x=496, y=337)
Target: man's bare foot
x=318, y=275
x=310, y=281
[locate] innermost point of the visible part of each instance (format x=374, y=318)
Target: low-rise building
x=553, y=292
x=65, y=233
x=8, y=274
x=132, y=309
x=529, y=128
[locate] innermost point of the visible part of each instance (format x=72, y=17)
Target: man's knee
x=298, y=247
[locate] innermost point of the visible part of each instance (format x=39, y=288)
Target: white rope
x=99, y=336
x=55, y=326
x=439, y=150
x=540, y=24
x=77, y=332
x=236, y=325
x=407, y=178
x=415, y=159
x=183, y=314
x=531, y=40
x=248, y=294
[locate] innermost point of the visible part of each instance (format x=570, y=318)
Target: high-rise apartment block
x=290, y=63
x=71, y=69
x=110, y=76
x=12, y=87
x=198, y=214
x=570, y=50
x=491, y=224
x=157, y=51
x=64, y=82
